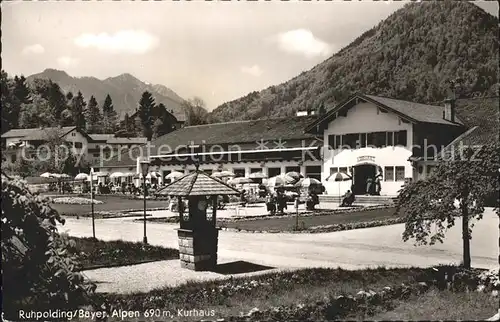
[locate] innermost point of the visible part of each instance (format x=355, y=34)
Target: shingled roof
x=197, y=183
x=481, y=117
x=290, y=128
x=239, y=132
x=112, y=139
x=414, y=112
x=417, y=111
x=38, y=133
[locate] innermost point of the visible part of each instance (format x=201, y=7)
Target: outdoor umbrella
x=174, y=175
x=289, y=180
x=277, y=181
x=46, y=175
x=340, y=176
x=240, y=181
x=223, y=174
x=295, y=175
x=117, y=175
x=82, y=176
x=307, y=182
x=257, y=175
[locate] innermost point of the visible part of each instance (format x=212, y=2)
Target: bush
x=38, y=272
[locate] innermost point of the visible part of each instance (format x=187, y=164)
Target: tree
x=38, y=113
x=39, y=269
x=57, y=100
x=145, y=114
x=430, y=205
x=77, y=109
x=322, y=109
x=196, y=113
x=15, y=94
x=110, y=117
x=93, y=116
x=24, y=168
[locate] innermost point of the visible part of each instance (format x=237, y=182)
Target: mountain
x=410, y=55
x=125, y=90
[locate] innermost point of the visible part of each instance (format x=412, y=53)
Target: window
x=290, y=169
x=349, y=141
x=400, y=173
x=272, y=172
x=253, y=170
x=363, y=139
x=239, y=172
x=334, y=141
x=73, y=134
x=400, y=138
x=313, y=172
x=95, y=155
x=331, y=141
x=78, y=145
x=343, y=170
x=13, y=158
x=334, y=170
x=390, y=138
x=379, y=139
x=430, y=169
x=389, y=174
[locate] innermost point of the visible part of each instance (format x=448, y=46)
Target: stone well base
x=198, y=250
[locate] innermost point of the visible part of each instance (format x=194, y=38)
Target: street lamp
x=144, y=169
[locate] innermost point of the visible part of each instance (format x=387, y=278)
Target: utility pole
x=92, y=201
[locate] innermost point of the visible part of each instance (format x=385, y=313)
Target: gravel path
x=149, y=276
x=348, y=249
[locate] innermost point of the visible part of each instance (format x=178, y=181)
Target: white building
x=369, y=135
x=363, y=136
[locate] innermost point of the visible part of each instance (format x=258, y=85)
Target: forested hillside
x=411, y=55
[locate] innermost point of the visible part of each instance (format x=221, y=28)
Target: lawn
x=288, y=223
x=307, y=295
x=111, y=204
x=229, y=298
x=93, y=253
x=439, y=306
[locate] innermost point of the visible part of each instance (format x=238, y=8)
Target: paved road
x=349, y=249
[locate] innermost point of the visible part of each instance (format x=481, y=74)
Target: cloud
x=135, y=42
x=254, y=70
x=33, y=49
x=302, y=41
x=66, y=61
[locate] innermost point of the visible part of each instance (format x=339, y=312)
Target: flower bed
x=323, y=228
x=76, y=201
x=306, y=295
x=94, y=253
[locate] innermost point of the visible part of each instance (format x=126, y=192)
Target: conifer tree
x=93, y=116
x=77, y=109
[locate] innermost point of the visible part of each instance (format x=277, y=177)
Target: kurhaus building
x=364, y=136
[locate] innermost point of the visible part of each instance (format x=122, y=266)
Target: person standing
x=369, y=184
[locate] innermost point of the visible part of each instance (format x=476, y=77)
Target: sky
x=218, y=51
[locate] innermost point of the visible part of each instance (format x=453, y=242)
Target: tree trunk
x=465, y=236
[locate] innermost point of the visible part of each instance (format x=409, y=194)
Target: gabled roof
x=198, y=183
x=481, y=116
x=38, y=133
x=410, y=111
x=112, y=139
x=290, y=128
x=17, y=133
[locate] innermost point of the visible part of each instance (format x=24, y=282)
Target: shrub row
x=328, y=228
x=334, y=308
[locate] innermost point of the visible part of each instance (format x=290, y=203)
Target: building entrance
x=360, y=180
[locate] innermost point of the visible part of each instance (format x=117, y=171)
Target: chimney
x=449, y=110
